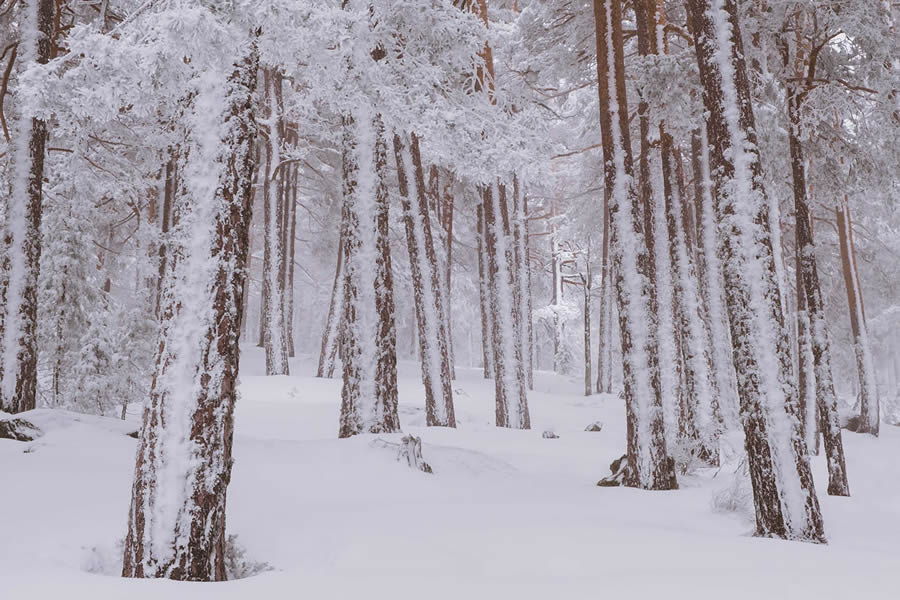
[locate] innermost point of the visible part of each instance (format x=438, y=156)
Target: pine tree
x=427, y=287
x=783, y=490
x=368, y=336
x=21, y=243
x=176, y=523
x=631, y=245
x=273, y=320
x=869, y=410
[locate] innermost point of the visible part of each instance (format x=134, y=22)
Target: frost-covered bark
x=783, y=490
x=691, y=317
x=523, y=266
x=427, y=287
x=273, y=321
x=176, y=524
x=712, y=283
x=484, y=295
x=586, y=287
x=631, y=245
x=604, y=350
x=21, y=241
x=510, y=379
x=368, y=336
x=331, y=333
x=812, y=332
x=291, y=175
x=865, y=367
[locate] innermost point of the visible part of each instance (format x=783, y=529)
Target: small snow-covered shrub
x=736, y=494
x=237, y=565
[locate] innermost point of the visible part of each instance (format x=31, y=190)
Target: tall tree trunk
x=586, y=285
x=22, y=231
x=442, y=256
x=273, y=258
x=290, y=233
x=523, y=267
x=331, y=334
x=868, y=391
x=649, y=464
x=806, y=378
x=447, y=217
x=711, y=281
x=813, y=316
x=368, y=338
x=699, y=421
x=487, y=325
x=426, y=280
x=604, y=350
x=510, y=380
x=783, y=490
x=176, y=523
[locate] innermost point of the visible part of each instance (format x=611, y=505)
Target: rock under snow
x=595, y=426
x=549, y=435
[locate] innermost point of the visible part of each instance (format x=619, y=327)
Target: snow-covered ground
x=507, y=514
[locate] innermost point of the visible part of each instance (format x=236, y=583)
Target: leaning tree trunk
x=649, y=464
x=810, y=298
x=331, y=334
x=368, y=336
x=22, y=230
x=427, y=287
x=176, y=523
x=868, y=391
x=510, y=378
x=272, y=322
x=783, y=490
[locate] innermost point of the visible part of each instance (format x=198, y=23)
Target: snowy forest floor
x=507, y=514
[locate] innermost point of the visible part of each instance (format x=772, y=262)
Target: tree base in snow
x=19, y=430
x=411, y=451
x=619, y=469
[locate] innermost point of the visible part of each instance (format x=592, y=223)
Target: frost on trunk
x=700, y=393
x=711, y=282
x=273, y=321
x=783, y=490
x=290, y=174
x=21, y=241
x=586, y=286
x=368, y=335
x=330, y=336
x=812, y=333
x=484, y=297
x=427, y=287
x=631, y=245
x=523, y=268
x=176, y=524
x=510, y=378
x=686, y=370
x=865, y=367
x=604, y=350
x=442, y=208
